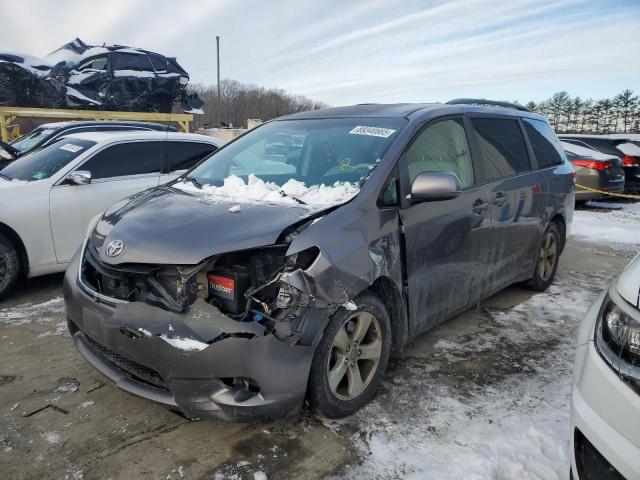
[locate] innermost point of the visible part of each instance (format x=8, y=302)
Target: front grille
x=134, y=369
x=590, y=463
x=113, y=282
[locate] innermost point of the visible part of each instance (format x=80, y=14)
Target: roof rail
x=483, y=101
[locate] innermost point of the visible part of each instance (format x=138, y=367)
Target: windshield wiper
x=194, y=181
x=291, y=196
x=5, y=176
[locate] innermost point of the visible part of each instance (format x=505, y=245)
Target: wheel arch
x=15, y=239
x=386, y=290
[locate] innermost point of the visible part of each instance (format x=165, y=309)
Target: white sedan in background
x=48, y=197
x=605, y=403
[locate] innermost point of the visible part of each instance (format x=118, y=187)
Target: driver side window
x=441, y=147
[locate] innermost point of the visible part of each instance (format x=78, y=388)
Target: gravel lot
x=483, y=396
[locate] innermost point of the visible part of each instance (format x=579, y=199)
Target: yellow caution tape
x=623, y=195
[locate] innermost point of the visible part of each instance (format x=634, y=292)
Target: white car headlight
x=617, y=336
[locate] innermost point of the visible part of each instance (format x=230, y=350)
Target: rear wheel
x=351, y=358
x=9, y=265
x=546, y=260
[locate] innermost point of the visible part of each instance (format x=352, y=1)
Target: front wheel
x=351, y=358
x=9, y=265
x=546, y=260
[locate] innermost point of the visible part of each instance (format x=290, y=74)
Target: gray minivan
x=264, y=277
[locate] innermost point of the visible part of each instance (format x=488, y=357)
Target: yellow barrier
x=604, y=192
x=8, y=114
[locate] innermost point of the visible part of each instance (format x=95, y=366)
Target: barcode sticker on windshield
x=70, y=147
x=372, y=131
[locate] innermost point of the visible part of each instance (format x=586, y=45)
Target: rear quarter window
x=184, y=155
x=546, y=146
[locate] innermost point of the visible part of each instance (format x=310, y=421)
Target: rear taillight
x=594, y=164
x=630, y=161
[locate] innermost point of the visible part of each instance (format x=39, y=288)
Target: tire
x=9, y=265
x=547, y=259
x=345, y=395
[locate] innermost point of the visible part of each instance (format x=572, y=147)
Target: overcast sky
x=343, y=52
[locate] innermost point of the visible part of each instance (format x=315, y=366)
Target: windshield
x=33, y=139
x=303, y=154
x=45, y=162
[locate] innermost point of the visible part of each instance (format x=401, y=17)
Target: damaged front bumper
x=226, y=369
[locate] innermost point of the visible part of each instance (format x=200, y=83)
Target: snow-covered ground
x=509, y=419
x=613, y=224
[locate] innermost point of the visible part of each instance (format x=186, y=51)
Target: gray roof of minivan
x=399, y=110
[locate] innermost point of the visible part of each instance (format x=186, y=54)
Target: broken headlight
x=303, y=259
x=617, y=336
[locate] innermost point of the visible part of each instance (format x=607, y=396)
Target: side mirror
x=79, y=177
x=433, y=186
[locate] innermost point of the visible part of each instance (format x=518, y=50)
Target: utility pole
x=218, y=61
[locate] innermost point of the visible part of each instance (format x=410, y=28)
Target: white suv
x=605, y=403
x=48, y=197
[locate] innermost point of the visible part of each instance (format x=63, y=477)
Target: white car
x=605, y=403
x=48, y=197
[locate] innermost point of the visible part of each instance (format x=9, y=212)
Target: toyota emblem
x=115, y=248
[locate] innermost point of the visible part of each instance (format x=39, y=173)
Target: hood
x=628, y=284
x=173, y=227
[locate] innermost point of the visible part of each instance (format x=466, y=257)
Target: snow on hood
x=257, y=190
x=628, y=284
x=35, y=65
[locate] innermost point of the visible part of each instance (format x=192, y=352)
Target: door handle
x=499, y=199
x=480, y=207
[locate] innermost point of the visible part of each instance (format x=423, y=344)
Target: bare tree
x=239, y=102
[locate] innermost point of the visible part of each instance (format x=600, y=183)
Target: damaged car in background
x=236, y=295
x=108, y=77
x=25, y=81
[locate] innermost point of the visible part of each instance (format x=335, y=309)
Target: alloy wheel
x=548, y=255
x=355, y=354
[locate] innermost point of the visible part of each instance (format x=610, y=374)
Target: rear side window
x=132, y=61
x=441, y=147
x=125, y=159
x=184, y=155
x=546, y=146
x=502, y=146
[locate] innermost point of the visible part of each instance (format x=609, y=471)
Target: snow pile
x=257, y=190
x=492, y=403
x=618, y=226
x=25, y=314
x=185, y=344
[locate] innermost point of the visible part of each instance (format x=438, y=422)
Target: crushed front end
x=227, y=338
